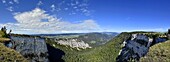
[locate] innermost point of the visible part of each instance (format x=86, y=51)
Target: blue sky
x=67, y=16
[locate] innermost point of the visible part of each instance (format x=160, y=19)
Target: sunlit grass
x=2, y=40
x=10, y=55
x=158, y=53
x=7, y=54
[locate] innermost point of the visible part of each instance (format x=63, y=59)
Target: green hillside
x=105, y=53
x=158, y=53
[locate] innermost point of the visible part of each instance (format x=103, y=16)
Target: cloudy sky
x=72, y=16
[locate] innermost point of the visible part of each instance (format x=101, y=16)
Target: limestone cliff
x=71, y=42
x=136, y=47
x=33, y=48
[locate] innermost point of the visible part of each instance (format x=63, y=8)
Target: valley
x=86, y=47
x=84, y=30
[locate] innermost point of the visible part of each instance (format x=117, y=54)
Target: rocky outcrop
x=33, y=48
x=137, y=46
x=134, y=48
x=74, y=43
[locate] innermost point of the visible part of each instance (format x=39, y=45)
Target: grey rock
x=33, y=48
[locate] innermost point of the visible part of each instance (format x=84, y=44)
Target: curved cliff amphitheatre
x=126, y=46
x=84, y=31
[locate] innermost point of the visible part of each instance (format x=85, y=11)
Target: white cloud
x=3, y=1
x=40, y=3
x=77, y=2
x=10, y=8
x=72, y=13
x=34, y=16
x=65, y=8
x=16, y=1
x=10, y=2
x=75, y=6
x=15, y=13
x=53, y=8
x=32, y=22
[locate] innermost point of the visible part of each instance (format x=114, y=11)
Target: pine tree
x=3, y=29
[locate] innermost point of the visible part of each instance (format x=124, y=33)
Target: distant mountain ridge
x=71, y=34
x=96, y=38
x=58, y=34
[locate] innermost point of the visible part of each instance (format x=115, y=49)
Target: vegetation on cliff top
x=7, y=54
x=3, y=35
x=158, y=53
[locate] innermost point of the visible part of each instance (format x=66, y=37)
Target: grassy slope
x=104, y=53
x=158, y=53
x=7, y=54
x=2, y=40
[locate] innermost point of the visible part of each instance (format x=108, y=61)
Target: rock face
x=33, y=48
x=74, y=43
x=134, y=48
x=137, y=46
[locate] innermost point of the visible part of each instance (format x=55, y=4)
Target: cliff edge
x=158, y=53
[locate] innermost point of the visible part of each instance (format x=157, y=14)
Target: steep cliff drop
x=32, y=48
x=137, y=46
